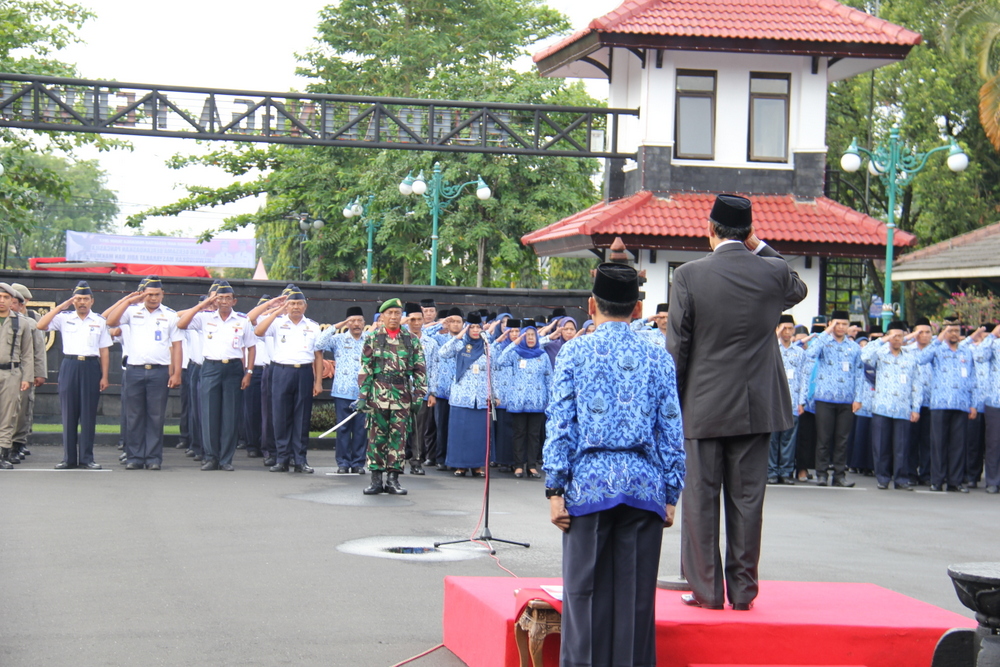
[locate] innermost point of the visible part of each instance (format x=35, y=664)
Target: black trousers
x=251, y=410
x=891, y=448
x=146, y=402
x=221, y=399
x=948, y=429
x=417, y=442
x=527, y=427
x=833, y=427
x=610, y=561
x=291, y=409
x=79, y=393
x=992, y=468
x=736, y=468
x=429, y=430
x=920, y=448
x=503, y=448
x=442, y=410
x=186, y=406
x=266, y=421
x=193, y=388
x=975, y=447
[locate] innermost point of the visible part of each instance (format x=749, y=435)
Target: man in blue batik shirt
x=953, y=403
x=838, y=390
x=987, y=354
x=781, y=458
x=614, y=464
x=920, y=438
x=352, y=437
x=896, y=405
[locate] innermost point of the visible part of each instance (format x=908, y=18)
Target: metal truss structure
x=109, y=107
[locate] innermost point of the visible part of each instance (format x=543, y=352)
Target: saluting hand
x=135, y=297
x=68, y=303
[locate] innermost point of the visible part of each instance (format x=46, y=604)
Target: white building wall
x=807, y=101
x=626, y=92
x=656, y=286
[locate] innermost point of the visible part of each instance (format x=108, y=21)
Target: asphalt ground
x=184, y=567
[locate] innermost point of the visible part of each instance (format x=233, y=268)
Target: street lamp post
x=896, y=164
x=305, y=224
x=354, y=209
x=438, y=194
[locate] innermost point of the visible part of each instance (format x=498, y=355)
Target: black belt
x=222, y=361
x=149, y=367
x=392, y=379
x=10, y=366
x=309, y=365
x=71, y=357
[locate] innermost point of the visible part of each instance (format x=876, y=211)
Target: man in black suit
x=733, y=393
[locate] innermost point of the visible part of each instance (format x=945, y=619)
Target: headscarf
x=586, y=325
x=472, y=349
x=553, y=346
x=524, y=350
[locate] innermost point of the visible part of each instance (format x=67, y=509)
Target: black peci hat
x=786, y=319
x=617, y=283
x=732, y=211
x=839, y=315
x=473, y=318
x=353, y=311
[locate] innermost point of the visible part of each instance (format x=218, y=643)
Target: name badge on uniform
x=475, y=370
x=236, y=343
x=158, y=335
x=523, y=364
x=790, y=373
x=965, y=372
x=846, y=366
x=902, y=378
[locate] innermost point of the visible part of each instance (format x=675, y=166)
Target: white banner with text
x=85, y=247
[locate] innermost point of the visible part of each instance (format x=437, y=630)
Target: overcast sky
x=206, y=43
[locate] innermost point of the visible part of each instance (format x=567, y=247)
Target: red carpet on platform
x=792, y=623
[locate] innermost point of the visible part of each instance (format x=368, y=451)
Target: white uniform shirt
x=264, y=346
x=81, y=338
x=293, y=343
x=196, y=356
x=151, y=334
x=223, y=339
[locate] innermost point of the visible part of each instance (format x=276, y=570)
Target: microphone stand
x=491, y=416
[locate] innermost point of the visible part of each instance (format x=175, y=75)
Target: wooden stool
x=538, y=620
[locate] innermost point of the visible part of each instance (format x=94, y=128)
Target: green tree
x=88, y=206
x=446, y=49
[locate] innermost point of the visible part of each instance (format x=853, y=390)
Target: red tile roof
x=785, y=20
x=776, y=218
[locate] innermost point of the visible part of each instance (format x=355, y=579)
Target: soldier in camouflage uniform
x=393, y=381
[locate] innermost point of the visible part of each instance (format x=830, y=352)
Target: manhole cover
x=412, y=548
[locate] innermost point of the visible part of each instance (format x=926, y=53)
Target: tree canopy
x=446, y=49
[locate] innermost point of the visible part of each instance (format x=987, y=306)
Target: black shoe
x=62, y=465
x=153, y=466
x=691, y=601
x=903, y=486
x=442, y=467
x=430, y=463
x=772, y=480
x=228, y=467
x=742, y=606
x=92, y=466
x=133, y=466
x=936, y=488
x=881, y=486
x=992, y=489
x=210, y=465
x=23, y=451
x=359, y=470
x=343, y=470
x=241, y=445
x=5, y=464
x=279, y=467
x=787, y=480
x=253, y=453
x=270, y=461
x=190, y=453
x=198, y=457
x=121, y=446
x=416, y=469
x=376, y=487
x=820, y=480
x=181, y=445
x=971, y=485
x=962, y=488
x=392, y=484
x=842, y=483
x=505, y=469
x=304, y=468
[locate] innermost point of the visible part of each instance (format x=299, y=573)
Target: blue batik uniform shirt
x=924, y=377
x=793, y=358
x=838, y=368
x=987, y=356
x=430, y=345
x=898, y=389
x=500, y=375
x=469, y=391
x=613, y=432
x=347, y=355
x=953, y=376
x=530, y=379
x=444, y=369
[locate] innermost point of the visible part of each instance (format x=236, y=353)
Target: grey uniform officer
x=154, y=366
x=83, y=373
x=26, y=413
x=17, y=368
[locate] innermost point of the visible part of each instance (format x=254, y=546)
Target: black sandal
x=459, y=473
x=519, y=473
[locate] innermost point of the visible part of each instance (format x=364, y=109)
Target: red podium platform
x=792, y=623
